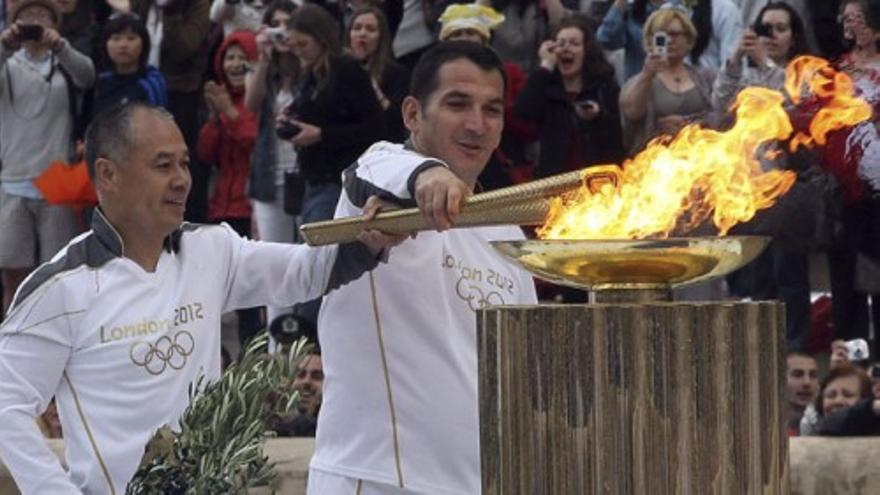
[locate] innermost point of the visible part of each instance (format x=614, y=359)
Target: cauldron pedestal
x=633, y=397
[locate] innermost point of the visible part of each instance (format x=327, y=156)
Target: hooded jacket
x=228, y=143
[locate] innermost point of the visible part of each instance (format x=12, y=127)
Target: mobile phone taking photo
x=763, y=30
x=660, y=42
x=30, y=32
x=857, y=350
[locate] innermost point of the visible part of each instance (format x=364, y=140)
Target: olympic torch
x=523, y=204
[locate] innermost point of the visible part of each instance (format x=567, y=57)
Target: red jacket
x=228, y=143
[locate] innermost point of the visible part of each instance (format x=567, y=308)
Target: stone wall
x=819, y=466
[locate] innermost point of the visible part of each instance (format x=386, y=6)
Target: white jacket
x=399, y=346
x=118, y=347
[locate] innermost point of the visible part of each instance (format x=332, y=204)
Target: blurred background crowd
x=276, y=98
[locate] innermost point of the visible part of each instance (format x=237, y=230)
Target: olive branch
x=219, y=448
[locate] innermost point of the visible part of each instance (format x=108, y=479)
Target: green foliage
x=219, y=448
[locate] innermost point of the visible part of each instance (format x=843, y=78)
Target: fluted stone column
x=623, y=398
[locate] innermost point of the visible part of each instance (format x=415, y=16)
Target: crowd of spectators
x=276, y=99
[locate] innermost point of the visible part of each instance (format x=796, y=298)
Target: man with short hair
x=126, y=318
x=309, y=382
x=802, y=385
x=400, y=411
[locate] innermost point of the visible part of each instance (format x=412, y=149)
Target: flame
x=831, y=93
x=675, y=184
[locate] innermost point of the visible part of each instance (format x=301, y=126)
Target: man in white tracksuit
x=400, y=412
x=121, y=321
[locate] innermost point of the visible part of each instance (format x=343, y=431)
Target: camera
x=659, y=47
x=30, y=32
x=763, y=30
x=857, y=350
x=286, y=130
x=277, y=34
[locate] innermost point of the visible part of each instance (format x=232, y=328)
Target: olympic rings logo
x=475, y=297
x=164, y=353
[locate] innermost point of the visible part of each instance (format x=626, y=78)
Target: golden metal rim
x=601, y=264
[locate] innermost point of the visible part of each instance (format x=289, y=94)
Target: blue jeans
x=319, y=203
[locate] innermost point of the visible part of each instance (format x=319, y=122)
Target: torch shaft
x=408, y=220
x=522, y=204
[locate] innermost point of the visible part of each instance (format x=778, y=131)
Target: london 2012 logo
x=165, y=353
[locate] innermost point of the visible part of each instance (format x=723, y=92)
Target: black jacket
x=349, y=115
x=855, y=421
x=395, y=86
x=544, y=102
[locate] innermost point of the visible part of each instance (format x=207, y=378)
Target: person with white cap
x=469, y=22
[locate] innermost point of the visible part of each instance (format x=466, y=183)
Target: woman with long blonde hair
x=333, y=118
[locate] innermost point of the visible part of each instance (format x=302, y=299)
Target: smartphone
x=875, y=371
x=659, y=47
x=30, y=32
x=763, y=30
x=857, y=350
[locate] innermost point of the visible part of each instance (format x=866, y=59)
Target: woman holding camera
x=572, y=99
x=666, y=94
x=368, y=40
x=718, y=25
x=269, y=88
x=335, y=113
x=777, y=37
x=333, y=118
